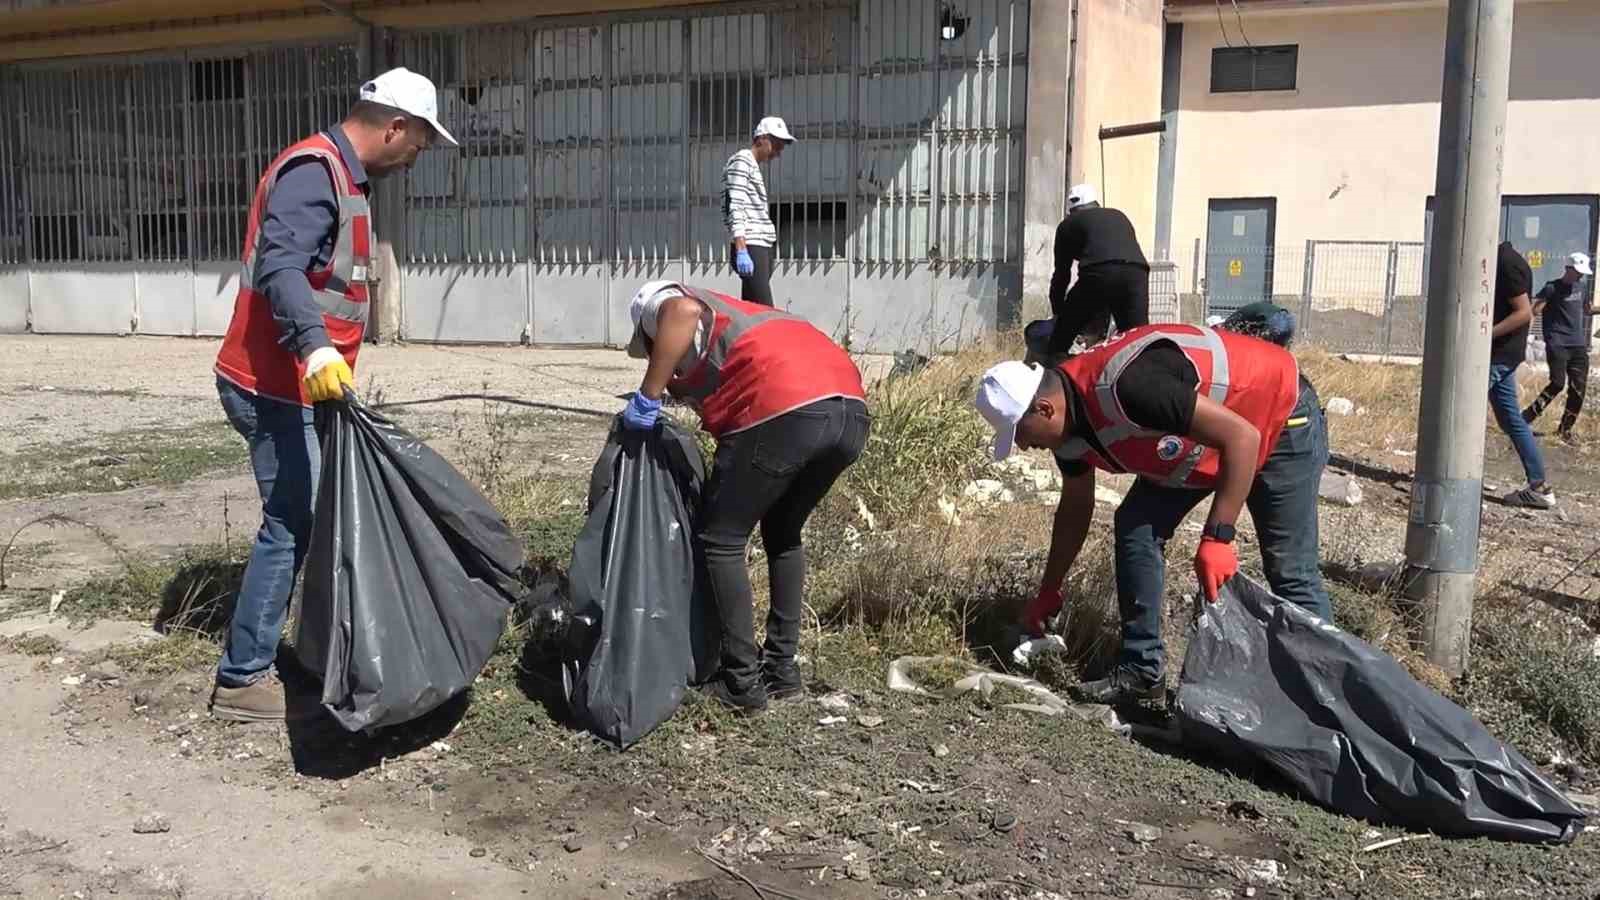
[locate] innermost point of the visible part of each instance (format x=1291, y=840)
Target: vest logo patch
x=1169, y=448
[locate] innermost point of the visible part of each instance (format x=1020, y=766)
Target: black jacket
x=1090, y=237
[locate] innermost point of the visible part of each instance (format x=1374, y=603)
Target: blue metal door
x=1543, y=228
x=1239, y=236
x=1547, y=229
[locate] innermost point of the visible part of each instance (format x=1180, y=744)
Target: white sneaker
x=1532, y=498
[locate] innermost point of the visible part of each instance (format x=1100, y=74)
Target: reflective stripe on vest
x=1256, y=380
x=727, y=325
x=1121, y=427
x=331, y=286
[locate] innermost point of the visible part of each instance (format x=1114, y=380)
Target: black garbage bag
x=409, y=577
x=1344, y=723
x=643, y=626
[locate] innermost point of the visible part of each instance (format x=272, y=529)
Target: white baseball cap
x=1581, y=262
x=410, y=93
x=643, y=307
x=775, y=127
x=1080, y=195
x=1004, y=396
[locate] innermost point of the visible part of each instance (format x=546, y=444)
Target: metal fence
x=591, y=158
x=152, y=160
x=1347, y=296
x=604, y=139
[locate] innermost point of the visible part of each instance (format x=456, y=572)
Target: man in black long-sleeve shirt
x=1113, y=276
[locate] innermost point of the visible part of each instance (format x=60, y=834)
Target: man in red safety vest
x=297, y=326
x=787, y=408
x=1193, y=412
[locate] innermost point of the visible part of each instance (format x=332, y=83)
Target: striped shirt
x=744, y=201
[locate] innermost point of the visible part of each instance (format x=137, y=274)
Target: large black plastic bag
x=643, y=627
x=409, y=577
x=1351, y=729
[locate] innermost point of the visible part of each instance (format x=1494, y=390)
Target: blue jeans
x=1283, y=507
x=1508, y=412
x=287, y=459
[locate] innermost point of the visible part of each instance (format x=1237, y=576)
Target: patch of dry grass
x=1389, y=395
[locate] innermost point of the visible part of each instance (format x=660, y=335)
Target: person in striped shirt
x=744, y=209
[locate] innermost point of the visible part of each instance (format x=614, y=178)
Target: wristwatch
x=1220, y=532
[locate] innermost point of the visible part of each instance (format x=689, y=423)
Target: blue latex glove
x=743, y=264
x=641, y=413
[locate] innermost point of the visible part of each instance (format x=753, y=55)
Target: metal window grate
x=590, y=139
x=1237, y=69
x=153, y=159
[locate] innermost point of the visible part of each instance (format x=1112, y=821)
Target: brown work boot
x=258, y=701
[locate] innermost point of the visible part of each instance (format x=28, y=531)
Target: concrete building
x=937, y=140
x=1301, y=155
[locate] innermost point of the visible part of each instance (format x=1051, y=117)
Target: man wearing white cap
x=297, y=325
x=1113, y=277
x=786, y=406
x=1194, y=412
x=1568, y=333
x=744, y=209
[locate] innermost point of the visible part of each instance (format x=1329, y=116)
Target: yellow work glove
x=327, y=375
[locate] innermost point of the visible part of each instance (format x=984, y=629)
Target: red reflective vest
x=1257, y=380
x=251, y=355
x=759, y=363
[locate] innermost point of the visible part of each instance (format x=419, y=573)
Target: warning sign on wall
x=1236, y=268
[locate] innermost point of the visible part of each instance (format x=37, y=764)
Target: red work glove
x=1047, y=604
x=1215, y=562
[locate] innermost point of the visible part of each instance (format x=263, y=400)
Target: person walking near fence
x=1513, y=314
x=744, y=208
x=1113, y=275
x=1568, y=319
x=788, y=411
x=1194, y=412
x=296, y=329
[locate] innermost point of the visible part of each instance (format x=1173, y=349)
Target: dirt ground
x=117, y=784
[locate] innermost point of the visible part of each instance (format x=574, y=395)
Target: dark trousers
x=1283, y=507
x=773, y=475
x=1114, y=291
x=1569, y=371
x=757, y=286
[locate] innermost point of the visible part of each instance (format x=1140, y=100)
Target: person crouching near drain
x=788, y=412
x=1194, y=412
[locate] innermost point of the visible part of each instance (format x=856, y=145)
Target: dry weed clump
x=1385, y=394
x=1534, y=673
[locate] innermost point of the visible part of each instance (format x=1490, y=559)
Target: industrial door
x=1239, y=236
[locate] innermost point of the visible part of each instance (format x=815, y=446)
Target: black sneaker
x=750, y=702
x=1123, y=685
x=782, y=680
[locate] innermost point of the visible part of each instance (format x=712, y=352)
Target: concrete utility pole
x=1447, y=492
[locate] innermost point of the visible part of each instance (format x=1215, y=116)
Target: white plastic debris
x=55, y=601
x=832, y=720
x=1265, y=872
x=1028, y=653
x=985, y=682
x=1341, y=489
x=947, y=510
x=1340, y=406
x=836, y=701
x=984, y=490
x=1103, y=494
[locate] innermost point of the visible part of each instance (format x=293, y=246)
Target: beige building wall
x=1351, y=154
x=1119, y=42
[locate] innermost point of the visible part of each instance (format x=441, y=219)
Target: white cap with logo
x=410, y=93
x=1581, y=262
x=1004, y=396
x=1080, y=195
x=772, y=126
x=643, y=307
